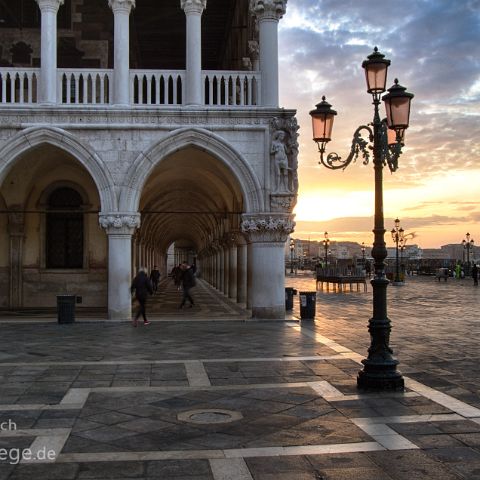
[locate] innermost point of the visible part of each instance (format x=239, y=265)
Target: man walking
x=142, y=286
x=188, y=281
x=154, y=278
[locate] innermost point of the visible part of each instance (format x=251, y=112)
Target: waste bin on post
x=66, y=308
x=289, y=293
x=307, y=305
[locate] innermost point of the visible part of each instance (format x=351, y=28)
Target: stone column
x=120, y=228
x=226, y=267
x=48, y=50
x=233, y=266
x=16, y=227
x=193, y=82
x=221, y=270
x=268, y=14
x=242, y=272
x=121, y=50
x=266, y=235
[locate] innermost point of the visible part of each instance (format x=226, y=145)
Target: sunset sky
x=434, y=47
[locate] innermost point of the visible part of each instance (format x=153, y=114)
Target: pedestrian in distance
x=475, y=274
x=176, y=274
x=142, y=287
x=188, y=282
x=154, y=278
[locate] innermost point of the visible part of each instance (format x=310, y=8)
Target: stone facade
x=135, y=179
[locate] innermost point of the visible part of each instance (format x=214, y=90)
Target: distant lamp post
x=467, y=246
x=363, y=253
x=292, y=249
x=326, y=243
x=398, y=238
x=380, y=368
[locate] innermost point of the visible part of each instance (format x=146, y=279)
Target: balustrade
x=85, y=87
x=20, y=86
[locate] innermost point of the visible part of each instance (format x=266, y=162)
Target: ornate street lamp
x=363, y=253
x=398, y=238
x=380, y=368
x=326, y=243
x=467, y=246
x=292, y=248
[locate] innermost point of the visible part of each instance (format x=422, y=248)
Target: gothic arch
x=36, y=136
x=198, y=138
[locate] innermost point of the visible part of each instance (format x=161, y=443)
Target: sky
x=434, y=48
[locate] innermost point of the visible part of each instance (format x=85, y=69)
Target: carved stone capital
x=120, y=6
x=193, y=6
x=267, y=227
x=49, y=5
x=120, y=223
x=282, y=203
x=268, y=9
x=232, y=238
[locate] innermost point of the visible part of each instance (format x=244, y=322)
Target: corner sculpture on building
x=116, y=150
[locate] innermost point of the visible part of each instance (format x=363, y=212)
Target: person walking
x=154, y=278
x=188, y=282
x=176, y=274
x=142, y=287
x=475, y=274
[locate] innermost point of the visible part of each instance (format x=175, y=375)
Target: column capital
x=121, y=5
x=119, y=223
x=267, y=227
x=49, y=5
x=268, y=9
x=193, y=6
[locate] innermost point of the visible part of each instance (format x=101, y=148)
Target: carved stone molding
x=119, y=223
x=267, y=227
x=49, y=5
x=282, y=203
x=121, y=5
x=193, y=6
x=268, y=9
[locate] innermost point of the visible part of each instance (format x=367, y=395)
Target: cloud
x=434, y=47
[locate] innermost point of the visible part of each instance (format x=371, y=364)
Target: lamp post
x=363, y=254
x=292, y=248
x=398, y=238
x=385, y=138
x=326, y=243
x=467, y=246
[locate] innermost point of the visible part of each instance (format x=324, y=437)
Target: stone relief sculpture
x=278, y=150
x=284, y=155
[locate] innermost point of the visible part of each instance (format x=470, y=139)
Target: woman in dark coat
x=142, y=287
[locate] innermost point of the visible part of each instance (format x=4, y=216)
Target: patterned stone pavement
x=202, y=394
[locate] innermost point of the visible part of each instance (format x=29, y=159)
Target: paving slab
x=204, y=394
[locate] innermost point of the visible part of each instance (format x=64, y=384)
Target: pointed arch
x=198, y=138
x=33, y=137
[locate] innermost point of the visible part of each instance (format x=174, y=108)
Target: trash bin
x=307, y=305
x=289, y=293
x=66, y=308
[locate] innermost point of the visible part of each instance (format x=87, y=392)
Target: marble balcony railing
x=21, y=86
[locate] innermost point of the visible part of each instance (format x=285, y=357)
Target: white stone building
x=129, y=126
